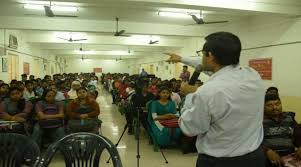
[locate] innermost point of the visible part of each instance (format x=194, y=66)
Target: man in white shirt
x=28, y=93
x=226, y=113
x=59, y=96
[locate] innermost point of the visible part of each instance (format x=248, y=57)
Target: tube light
x=118, y=52
x=54, y=8
x=35, y=7
x=174, y=14
x=64, y=8
x=85, y=52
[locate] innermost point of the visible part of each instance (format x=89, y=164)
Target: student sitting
x=15, y=108
x=59, y=96
x=83, y=113
x=28, y=93
x=162, y=110
x=279, y=132
x=50, y=115
x=74, y=87
x=140, y=99
x=93, y=94
x=3, y=91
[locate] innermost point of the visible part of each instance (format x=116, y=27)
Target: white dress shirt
x=226, y=113
x=191, y=61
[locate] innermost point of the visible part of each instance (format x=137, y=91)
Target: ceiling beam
x=105, y=40
x=77, y=25
x=225, y=4
x=266, y=6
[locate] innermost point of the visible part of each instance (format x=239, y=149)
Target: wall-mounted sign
x=26, y=68
x=97, y=70
x=263, y=67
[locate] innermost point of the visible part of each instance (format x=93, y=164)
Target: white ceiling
x=96, y=19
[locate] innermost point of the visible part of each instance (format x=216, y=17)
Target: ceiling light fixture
x=118, y=52
x=64, y=8
x=85, y=52
x=174, y=14
x=181, y=13
x=54, y=8
x=178, y=10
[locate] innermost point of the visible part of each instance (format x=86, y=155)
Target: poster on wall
x=4, y=64
x=97, y=70
x=26, y=68
x=263, y=67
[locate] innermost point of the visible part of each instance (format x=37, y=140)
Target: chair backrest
x=149, y=111
x=17, y=150
x=82, y=149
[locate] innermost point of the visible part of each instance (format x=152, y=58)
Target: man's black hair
x=272, y=88
x=224, y=46
x=271, y=97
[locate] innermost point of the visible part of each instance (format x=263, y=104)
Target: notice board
x=263, y=67
x=26, y=68
x=97, y=70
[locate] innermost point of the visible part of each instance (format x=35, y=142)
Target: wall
x=286, y=58
x=27, y=53
x=87, y=65
x=260, y=31
x=166, y=70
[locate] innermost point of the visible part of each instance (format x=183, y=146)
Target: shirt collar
x=223, y=71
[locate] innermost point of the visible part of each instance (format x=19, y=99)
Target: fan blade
x=216, y=22
x=191, y=24
x=119, y=33
x=124, y=35
x=197, y=20
x=153, y=42
x=48, y=11
x=64, y=16
x=63, y=38
x=78, y=39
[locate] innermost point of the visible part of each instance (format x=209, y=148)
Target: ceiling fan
x=119, y=59
x=200, y=21
x=49, y=12
x=72, y=40
x=153, y=42
x=121, y=32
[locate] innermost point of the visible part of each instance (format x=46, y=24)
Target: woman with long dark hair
x=83, y=113
x=4, y=88
x=163, y=110
x=15, y=108
x=50, y=115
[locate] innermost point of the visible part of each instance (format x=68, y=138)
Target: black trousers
x=253, y=159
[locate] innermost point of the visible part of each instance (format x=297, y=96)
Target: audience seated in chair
x=279, y=132
x=15, y=108
x=83, y=113
x=162, y=110
x=50, y=116
x=140, y=99
x=59, y=96
x=74, y=87
x=4, y=88
x=28, y=93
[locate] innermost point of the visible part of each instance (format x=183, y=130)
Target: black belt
x=258, y=150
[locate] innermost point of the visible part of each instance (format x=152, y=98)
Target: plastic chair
x=81, y=149
x=17, y=150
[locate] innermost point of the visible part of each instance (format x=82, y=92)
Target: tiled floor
x=112, y=127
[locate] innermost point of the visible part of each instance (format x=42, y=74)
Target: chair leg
x=163, y=156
